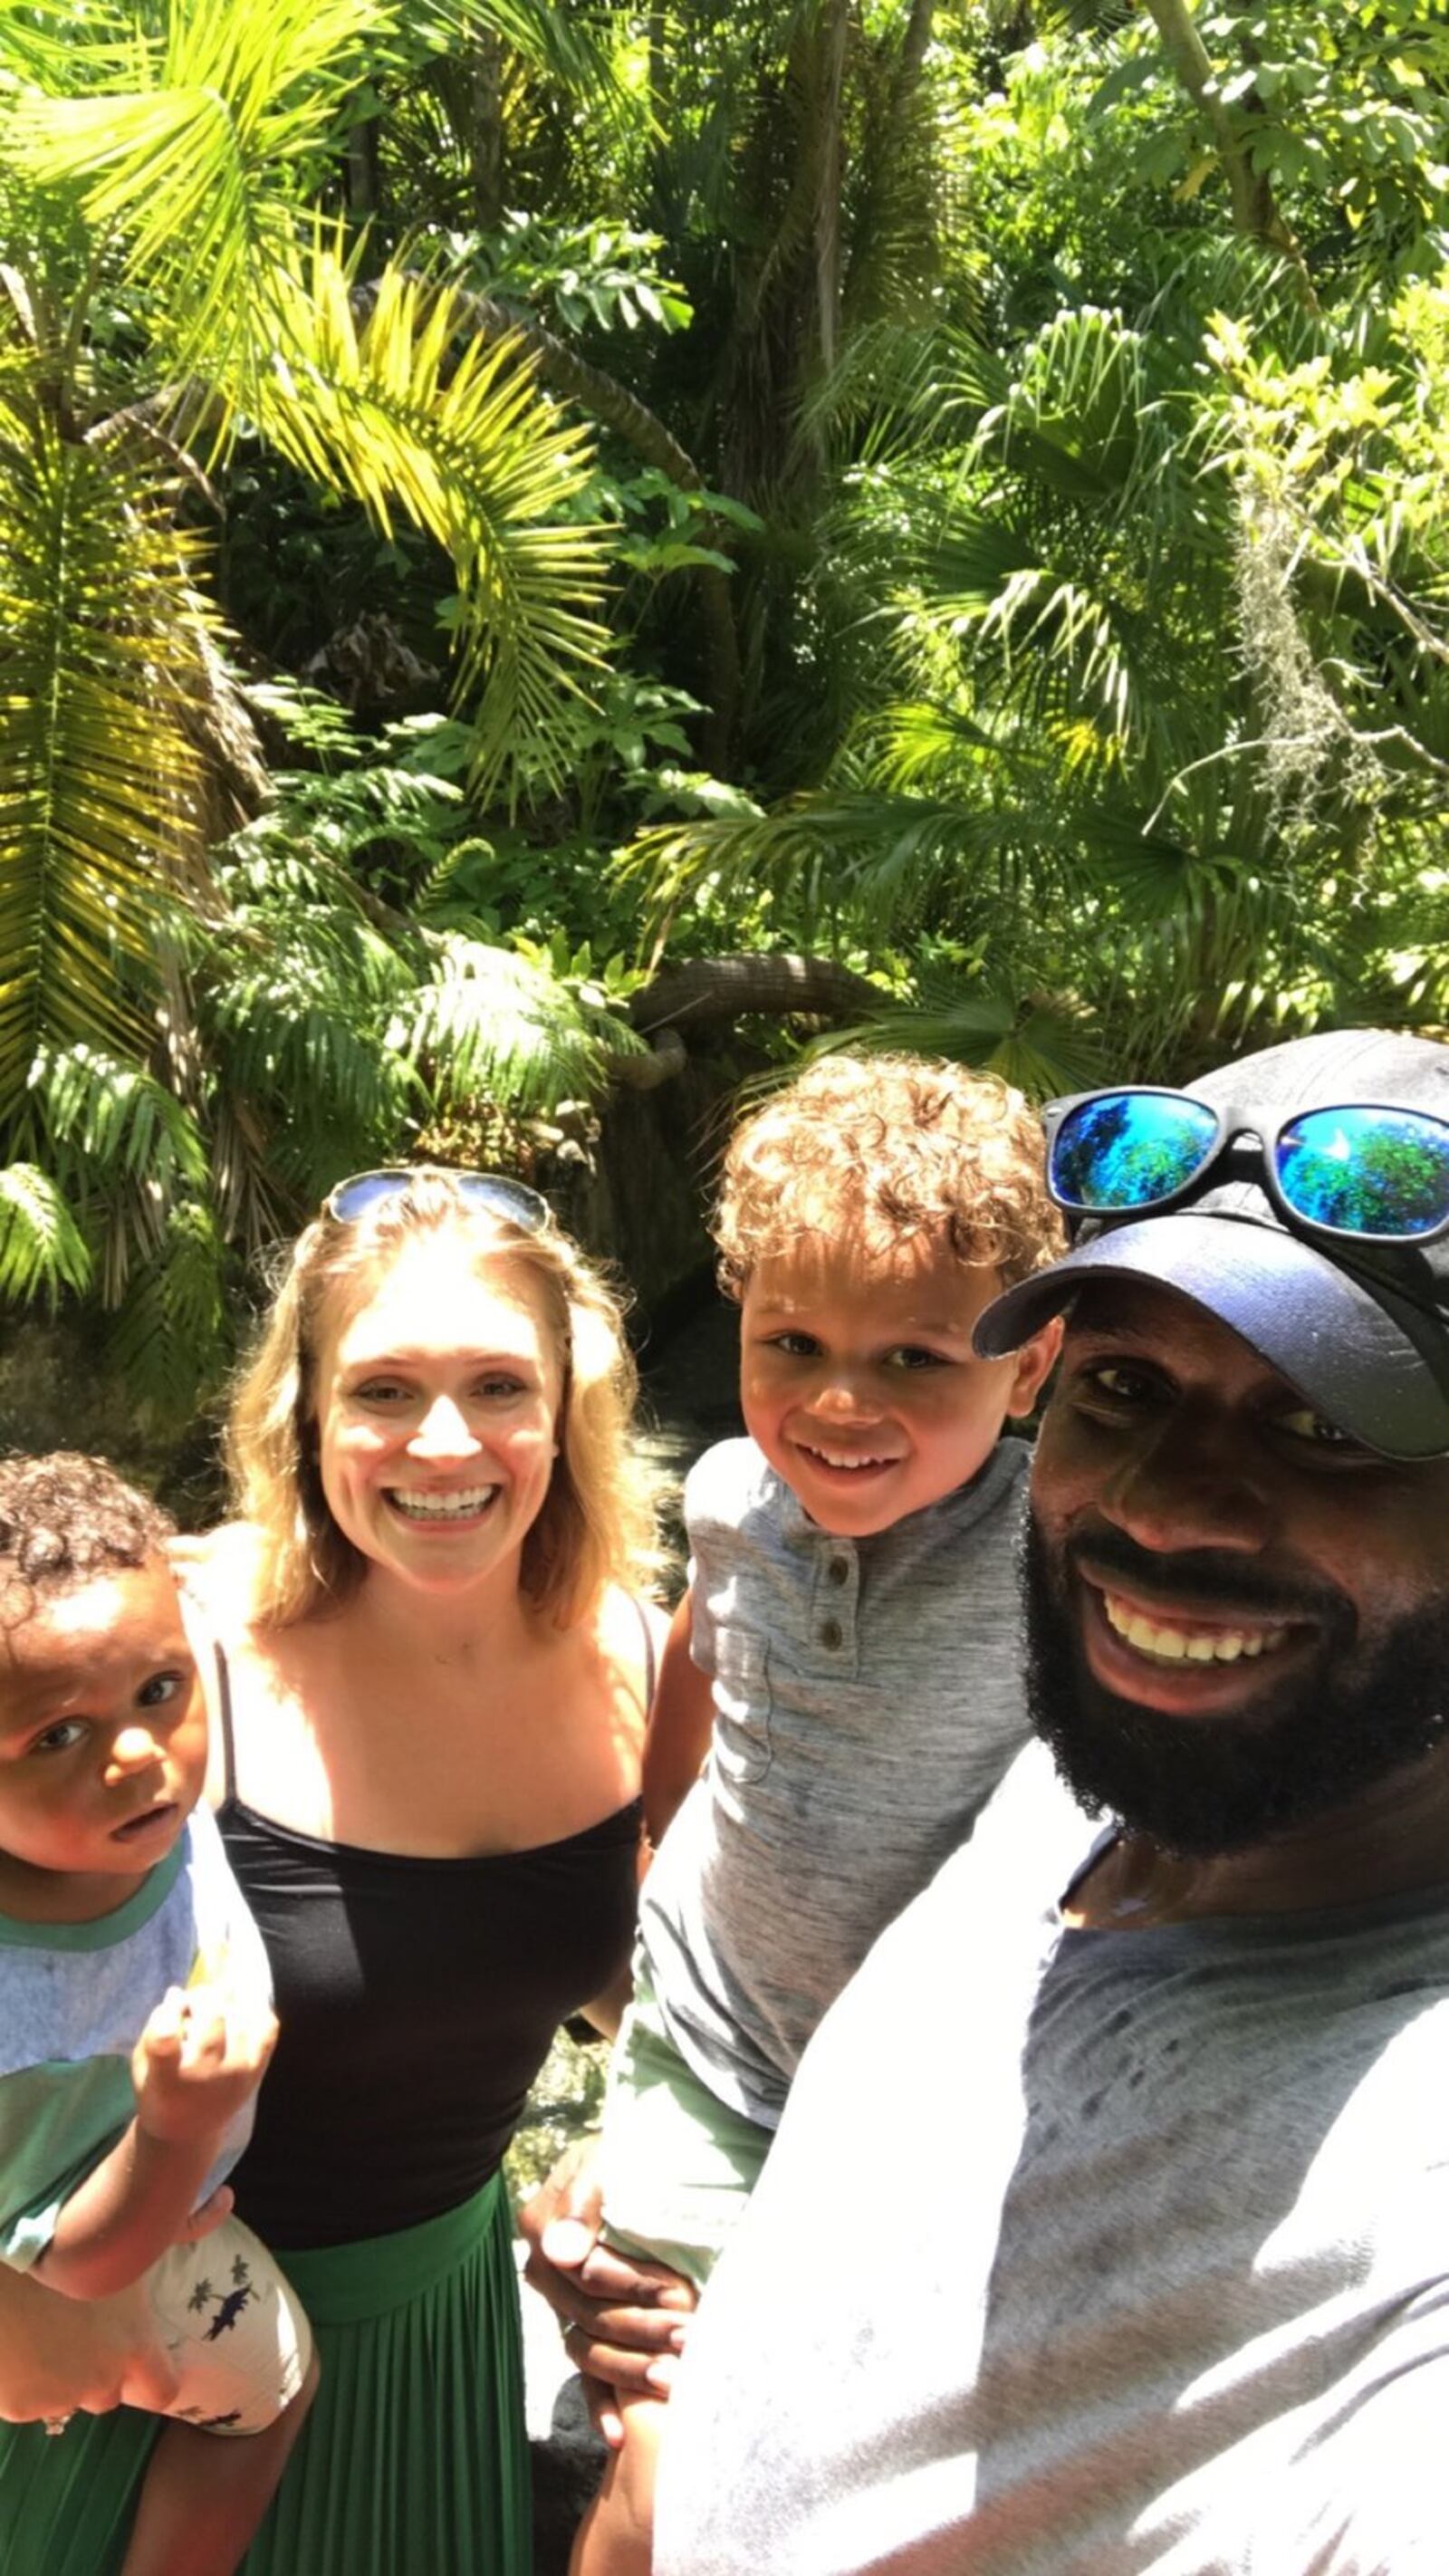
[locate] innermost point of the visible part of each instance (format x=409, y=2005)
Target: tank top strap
x=223, y=1711
x=649, y=1658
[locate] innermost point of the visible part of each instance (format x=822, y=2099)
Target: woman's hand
x=624, y=2322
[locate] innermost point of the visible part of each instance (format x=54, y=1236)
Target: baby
x=135, y=2001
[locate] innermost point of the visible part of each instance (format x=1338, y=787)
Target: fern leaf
x=42, y=1250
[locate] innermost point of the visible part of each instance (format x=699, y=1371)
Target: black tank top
x=417, y=2000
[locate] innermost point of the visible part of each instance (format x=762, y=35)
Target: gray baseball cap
x=1361, y=1330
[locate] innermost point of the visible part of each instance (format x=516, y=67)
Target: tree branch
x=1250, y=191
x=700, y=989
x=1396, y=736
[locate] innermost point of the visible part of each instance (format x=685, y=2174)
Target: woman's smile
x=436, y=1410
x=443, y=1511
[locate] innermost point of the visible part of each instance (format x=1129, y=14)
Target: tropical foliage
x=1147, y=545
x=176, y=286
x=500, y=495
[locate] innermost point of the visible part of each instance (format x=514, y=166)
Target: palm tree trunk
x=913, y=51
x=483, y=73
x=659, y=81
x=362, y=168
x=830, y=185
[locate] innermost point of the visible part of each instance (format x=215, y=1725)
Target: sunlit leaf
x=98, y=774
x=42, y=1250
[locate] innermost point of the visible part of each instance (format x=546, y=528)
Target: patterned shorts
x=234, y=2329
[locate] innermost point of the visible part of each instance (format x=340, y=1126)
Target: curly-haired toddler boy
x=848, y=1647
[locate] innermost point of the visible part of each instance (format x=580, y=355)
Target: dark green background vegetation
x=499, y=501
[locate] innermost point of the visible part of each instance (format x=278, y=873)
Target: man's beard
x=1210, y=1785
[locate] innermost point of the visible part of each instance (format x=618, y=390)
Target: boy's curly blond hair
x=888, y=1147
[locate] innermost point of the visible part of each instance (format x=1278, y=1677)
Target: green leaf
x=496, y=1024
x=98, y=772
x=412, y=414
x=42, y=1250
x=166, y=1333
x=197, y=166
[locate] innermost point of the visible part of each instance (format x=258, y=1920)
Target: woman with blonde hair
x=432, y=1669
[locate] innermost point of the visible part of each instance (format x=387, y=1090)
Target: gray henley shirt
x=867, y=1701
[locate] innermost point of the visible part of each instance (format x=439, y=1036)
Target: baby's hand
x=199, y=2059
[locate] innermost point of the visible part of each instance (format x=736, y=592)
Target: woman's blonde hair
x=596, y=1526
x=888, y=1147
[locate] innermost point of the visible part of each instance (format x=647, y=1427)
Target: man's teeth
x=442, y=1507
x=1189, y=1645
x=842, y=1457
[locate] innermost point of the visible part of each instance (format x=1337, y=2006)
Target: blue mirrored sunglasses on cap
x=493, y=1192
x=1378, y=1174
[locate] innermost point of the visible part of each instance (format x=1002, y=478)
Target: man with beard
x=1107, y=2230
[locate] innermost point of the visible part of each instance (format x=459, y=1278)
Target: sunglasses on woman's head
x=491, y=1192
x=1378, y=1174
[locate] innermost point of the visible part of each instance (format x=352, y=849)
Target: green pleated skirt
x=413, y=2462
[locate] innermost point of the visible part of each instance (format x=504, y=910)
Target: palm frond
x=888, y=853
x=98, y=779
x=172, y=1326
x=292, y=1030
x=42, y=1249
x=198, y=163
x=43, y=45
x=117, y=1117
x=466, y=448
x=1057, y=638
x=496, y=1025
x=255, y=1208
x=1041, y=1047
x=921, y=745
x=121, y=1146
x=556, y=39
x=1081, y=17
x=892, y=389
x=1050, y=1048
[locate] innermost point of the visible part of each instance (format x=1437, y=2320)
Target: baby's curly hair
x=890, y=1146
x=65, y=1517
